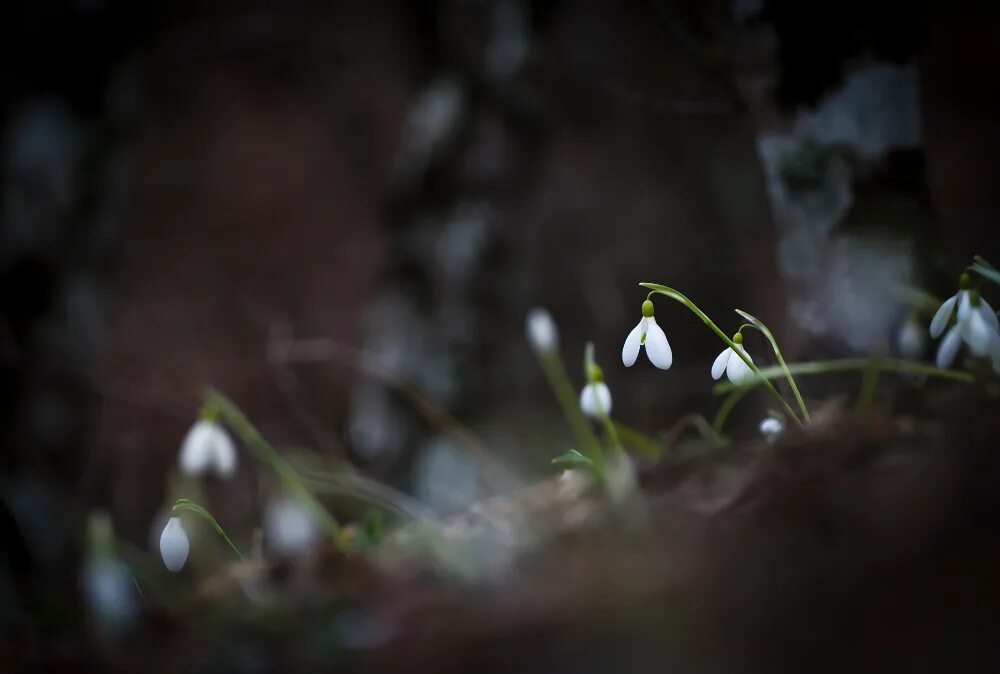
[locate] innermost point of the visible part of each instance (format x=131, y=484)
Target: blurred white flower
x=289, y=528
x=730, y=363
x=647, y=333
x=543, y=335
x=911, y=341
x=207, y=447
x=107, y=587
x=174, y=545
x=771, y=428
x=105, y=581
x=595, y=399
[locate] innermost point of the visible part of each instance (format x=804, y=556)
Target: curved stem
x=680, y=297
x=266, y=454
x=700, y=424
x=187, y=504
x=848, y=364
x=763, y=329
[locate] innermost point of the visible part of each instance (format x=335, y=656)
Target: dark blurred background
x=328, y=209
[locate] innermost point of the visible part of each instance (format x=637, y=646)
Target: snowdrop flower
x=543, y=335
x=975, y=324
x=207, y=448
x=730, y=363
x=910, y=339
x=944, y=313
x=771, y=428
x=107, y=586
x=595, y=398
x=105, y=581
x=174, y=546
x=647, y=333
x=289, y=528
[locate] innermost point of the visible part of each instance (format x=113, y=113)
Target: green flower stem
x=869, y=382
x=609, y=428
x=183, y=504
x=639, y=441
x=727, y=406
x=679, y=297
x=555, y=373
x=231, y=415
x=846, y=365
x=696, y=421
x=759, y=325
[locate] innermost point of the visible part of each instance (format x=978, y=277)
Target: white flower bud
x=771, y=428
x=174, y=545
x=541, y=330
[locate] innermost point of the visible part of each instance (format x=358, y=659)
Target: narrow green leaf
x=757, y=323
x=183, y=504
x=848, y=364
x=986, y=271
x=573, y=458
x=981, y=260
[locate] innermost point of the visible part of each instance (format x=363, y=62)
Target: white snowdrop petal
x=595, y=399
x=964, y=306
x=174, y=545
x=942, y=316
x=991, y=317
x=948, y=348
x=195, y=458
x=657, y=346
x=587, y=403
x=225, y=458
x=604, y=396
x=222, y=452
x=631, y=349
x=977, y=333
x=738, y=371
x=719, y=366
x=541, y=330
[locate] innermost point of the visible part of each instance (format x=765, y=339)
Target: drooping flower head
x=729, y=362
x=595, y=398
x=647, y=334
x=975, y=324
x=208, y=448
